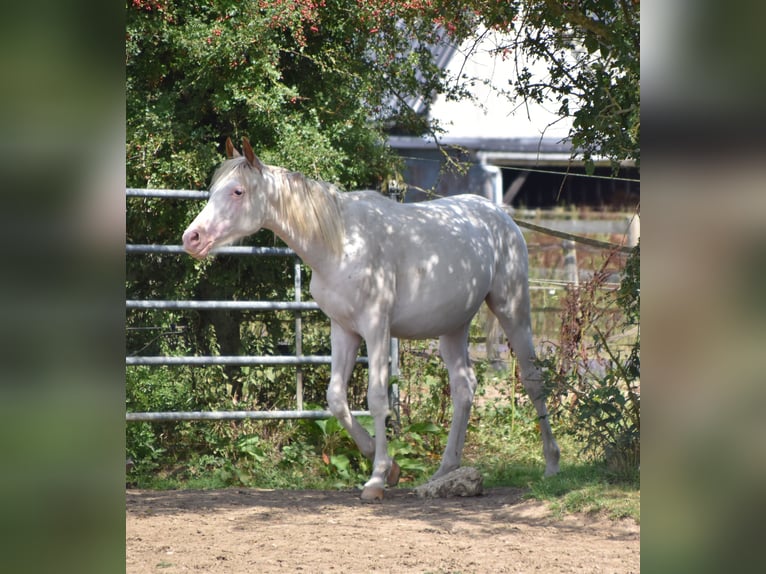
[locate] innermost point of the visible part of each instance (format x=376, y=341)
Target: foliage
x=286, y=74
x=592, y=54
x=629, y=293
x=342, y=459
x=318, y=84
x=596, y=389
x=339, y=73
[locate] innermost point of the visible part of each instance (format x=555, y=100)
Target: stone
x=464, y=481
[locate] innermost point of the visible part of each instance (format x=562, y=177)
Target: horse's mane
x=309, y=207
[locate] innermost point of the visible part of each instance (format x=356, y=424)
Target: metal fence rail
x=235, y=360
x=167, y=193
x=233, y=415
x=230, y=250
x=230, y=305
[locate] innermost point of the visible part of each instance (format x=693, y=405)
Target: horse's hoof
x=551, y=471
x=393, y=475
x=372, y=494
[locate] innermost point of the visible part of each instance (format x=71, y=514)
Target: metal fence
x=297, y=306
x=563, y=229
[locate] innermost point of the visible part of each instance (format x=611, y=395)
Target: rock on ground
x=465, y=481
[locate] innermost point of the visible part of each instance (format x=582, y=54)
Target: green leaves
x=629, y=293
x=257, y=69
x=250, y=445
x=591, y=55
x=425, y=428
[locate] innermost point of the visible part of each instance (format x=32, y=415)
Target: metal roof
x=524, y=145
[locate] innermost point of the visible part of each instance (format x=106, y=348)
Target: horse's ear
x=251, y=159
x=230, y=151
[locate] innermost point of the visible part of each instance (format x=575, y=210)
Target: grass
x=589, y=488
x=581, y=486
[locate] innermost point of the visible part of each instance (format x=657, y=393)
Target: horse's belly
x=436, y=310
x=418, y=310
x=429, y=325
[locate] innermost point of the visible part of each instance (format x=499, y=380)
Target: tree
x=592, y=53
x=301, y=78
x=589, y=48
x=318, y=84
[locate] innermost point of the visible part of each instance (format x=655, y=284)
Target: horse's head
x=232, y=212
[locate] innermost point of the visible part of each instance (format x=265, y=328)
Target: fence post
x=298, y=336
x=394, y=192
x=634, y=230
x=393, y=387
x=570, y=262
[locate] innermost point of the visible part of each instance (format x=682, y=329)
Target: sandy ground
x=251, y=530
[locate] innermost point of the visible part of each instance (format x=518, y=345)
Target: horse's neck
x=310, y=248
x=297, y=223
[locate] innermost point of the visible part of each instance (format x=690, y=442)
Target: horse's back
x=459, y=232
x=434, y=261
x=453, y=211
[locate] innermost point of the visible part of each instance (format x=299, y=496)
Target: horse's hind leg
x=462, y=381
x=514, y=315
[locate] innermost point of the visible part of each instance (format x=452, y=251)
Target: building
x=518, y=155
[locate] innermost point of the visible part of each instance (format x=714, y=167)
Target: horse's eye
x=238, y=192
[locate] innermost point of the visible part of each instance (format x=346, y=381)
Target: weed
x=594, y=388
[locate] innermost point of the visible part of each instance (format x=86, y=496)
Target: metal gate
x=297, y=306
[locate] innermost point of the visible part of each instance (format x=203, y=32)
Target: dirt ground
x=250, y=530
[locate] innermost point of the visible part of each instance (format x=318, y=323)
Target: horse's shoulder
x=363, y=195
x=470, y=198
x=358, y=205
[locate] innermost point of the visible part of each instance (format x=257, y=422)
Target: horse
x=383, y=269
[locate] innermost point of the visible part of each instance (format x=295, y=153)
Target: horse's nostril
x=191, y=238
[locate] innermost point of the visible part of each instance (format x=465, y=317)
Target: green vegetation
x=593, y=377
x=595, y=412
x=503, y=443
x=319, y=86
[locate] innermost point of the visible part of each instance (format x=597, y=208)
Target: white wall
x=493, y=115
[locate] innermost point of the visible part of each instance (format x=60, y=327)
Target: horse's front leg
x=384, y=469
x=345, y=345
